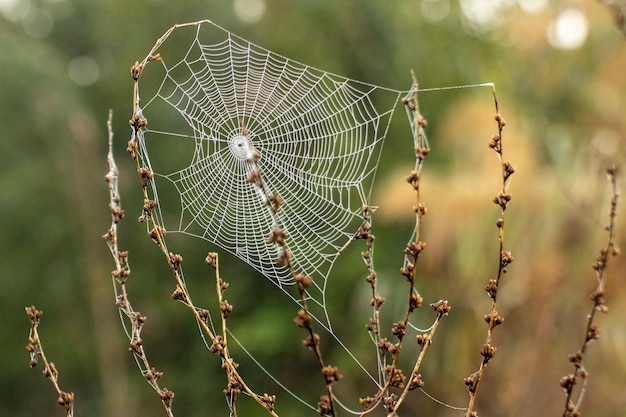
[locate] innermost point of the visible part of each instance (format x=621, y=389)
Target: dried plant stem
x=412, y=253
x=157, y=233
x=279, y=236
x=504, y=259
x=121, y=273
x=592, y=332
x=35, y=348
x=394, y=378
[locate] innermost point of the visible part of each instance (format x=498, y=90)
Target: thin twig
x=157, y=233
x=304, y=319
x=393, y=376
x=504, y=259
x=592, y=332
x=35, y=348
x=119, y=277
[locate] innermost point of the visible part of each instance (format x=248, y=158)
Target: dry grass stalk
x=120, y=275
x=35, y=348
x=157, y=233
x=394, y=378
x=278, y=235
x=592, y=332
x=504, y=259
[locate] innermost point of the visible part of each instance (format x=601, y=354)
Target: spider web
x=219, y=101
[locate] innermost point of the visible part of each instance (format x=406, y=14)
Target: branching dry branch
x=393, y=376
x=157, y=233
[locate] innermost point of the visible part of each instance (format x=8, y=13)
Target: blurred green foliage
x=64, y=63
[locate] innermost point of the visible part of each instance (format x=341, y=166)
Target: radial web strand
x=219, y=101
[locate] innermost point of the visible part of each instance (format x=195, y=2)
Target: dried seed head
x=384, y=345
x=218, y=345
x=311, y=341
x=488, y=352
x=179, y=294
x=324, y=406
x=135, y=70
x=304, y=280
x=331, y=374
x=204, y=315
x=166, y=396
x=145, y=175
x=398, y=329
x=568, y=382
x=396, y=377
x=416, y=382
x=226, y=308
x=575, y=358
x=157, y=234
x=407, y=271
x=497, y=320
x=412, y=178
x=471, y=382
x=508, y=169
x=136, y=345
x=366, y=402
x=415, y=301
x=303, y=319
x=371, y=326
x=277, y=236
x=254, y=176
x=500, y=120
x=390, y=402
x=211, y=259
x=423, y=340
x=492, y=288
x=506, y=258
x=441, y=307
x=268, y=400
x=66, y=399
x=495, y=142
x=234, y=387
x=378, y=301
x=175, y=260
x=153, y=375
x=51, y=371
x=33, y=314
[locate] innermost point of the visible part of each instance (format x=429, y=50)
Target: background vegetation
x=64, y=63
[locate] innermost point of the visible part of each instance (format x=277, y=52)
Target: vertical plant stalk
x=412, y=253
x=120, y=275
x=157, y=234
x=493, y=319
x=393, y=376
x=279, y=236
x=35, y=348
x=592, y=332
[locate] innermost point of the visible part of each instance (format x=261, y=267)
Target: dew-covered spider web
x=244, y=146
x=222, y=106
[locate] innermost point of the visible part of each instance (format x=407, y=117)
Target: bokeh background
x=560, y=71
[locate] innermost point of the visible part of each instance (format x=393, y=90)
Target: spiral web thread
x=318, y=135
